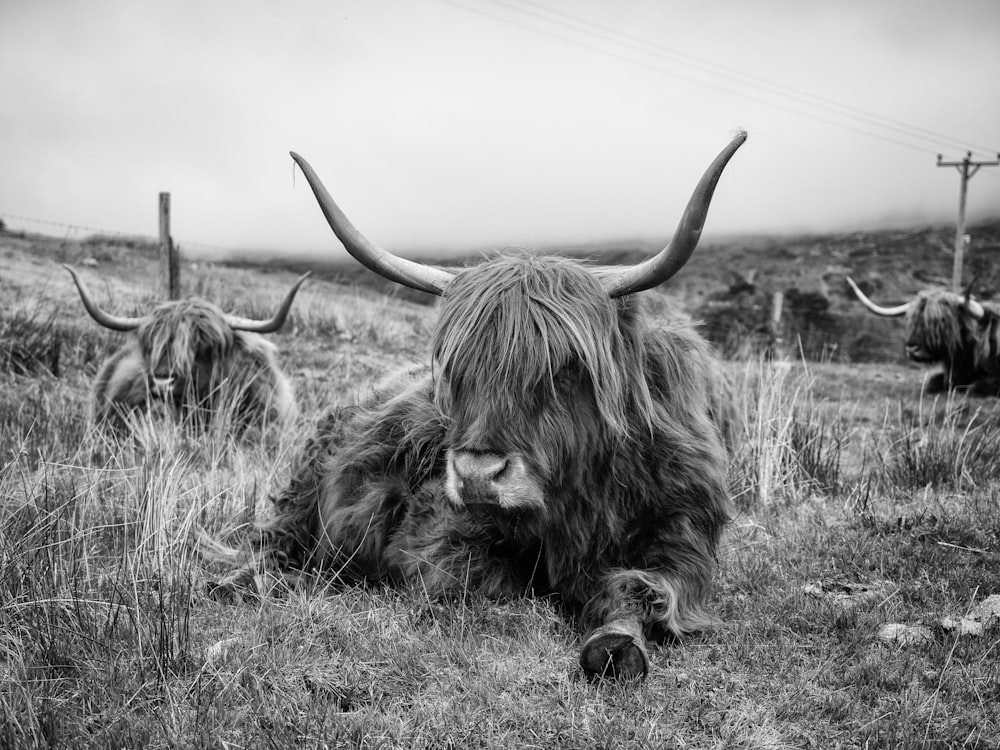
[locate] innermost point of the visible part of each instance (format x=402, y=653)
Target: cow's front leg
x=632, y=603
x=615, y=650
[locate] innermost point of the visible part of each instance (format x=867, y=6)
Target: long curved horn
x=273, y=324
x=370, y=255
x=885, y=312
x=114, y=322
x=654, y=271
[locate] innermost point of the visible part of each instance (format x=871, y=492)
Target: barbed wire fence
x=167, y=250
x=81, y=231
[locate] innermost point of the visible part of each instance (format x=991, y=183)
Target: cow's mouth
x=492, y=510
x=511, y=524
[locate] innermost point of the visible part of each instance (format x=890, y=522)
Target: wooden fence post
x=777, y=303
x=169, y=260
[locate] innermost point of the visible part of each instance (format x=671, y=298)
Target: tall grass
x=29, y=341
x=787, y=448
x=99, y=585
x=948, y=441
x=98, y=574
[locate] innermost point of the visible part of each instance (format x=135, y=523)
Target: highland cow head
x=186, y=346
x=537, y=373
x=538, y=369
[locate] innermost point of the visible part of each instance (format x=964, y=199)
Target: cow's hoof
x=615, y=651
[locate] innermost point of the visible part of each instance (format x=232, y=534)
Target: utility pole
x=966, y=169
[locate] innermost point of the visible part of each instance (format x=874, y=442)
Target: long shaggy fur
x=939, y=328
x=213, y=369
x=614, y=414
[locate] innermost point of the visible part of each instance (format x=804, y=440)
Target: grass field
x=860, y=505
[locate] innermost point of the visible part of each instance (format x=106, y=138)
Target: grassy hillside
x=822, y=319
x=908, y=259
x=855, y=581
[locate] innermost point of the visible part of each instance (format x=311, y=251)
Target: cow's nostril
x=500, y=470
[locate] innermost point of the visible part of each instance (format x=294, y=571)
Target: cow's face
x=528, y=358
x=184, y=344
x=939, y=327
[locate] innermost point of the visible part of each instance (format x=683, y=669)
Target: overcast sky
x=440, y=124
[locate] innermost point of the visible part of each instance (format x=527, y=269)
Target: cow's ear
x=974, y=309
x=969, y=288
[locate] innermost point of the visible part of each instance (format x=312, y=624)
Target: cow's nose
x=162, y=384
x=478, y=477
x=479, y=467
x=475, y=477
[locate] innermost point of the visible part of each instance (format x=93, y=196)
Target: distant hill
x=904, y=260
x=730, y=284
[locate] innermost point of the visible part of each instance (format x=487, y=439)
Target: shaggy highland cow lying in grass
x=955, y=330
x=197, y=361
x=561, y=441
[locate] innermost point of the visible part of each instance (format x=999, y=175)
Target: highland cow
x=953, y=329
x=195, y=361
x=560, y=441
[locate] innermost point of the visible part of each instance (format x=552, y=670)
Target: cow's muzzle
x=918, y=353
x=162, y=386
x=475, y=477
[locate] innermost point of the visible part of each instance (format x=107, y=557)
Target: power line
x=72, y=228
x=715, y=68
x=638, y=45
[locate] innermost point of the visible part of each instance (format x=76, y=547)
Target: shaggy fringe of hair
x=939, y=322
x=936, y=322
x=179, y=331
x=538, y=314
